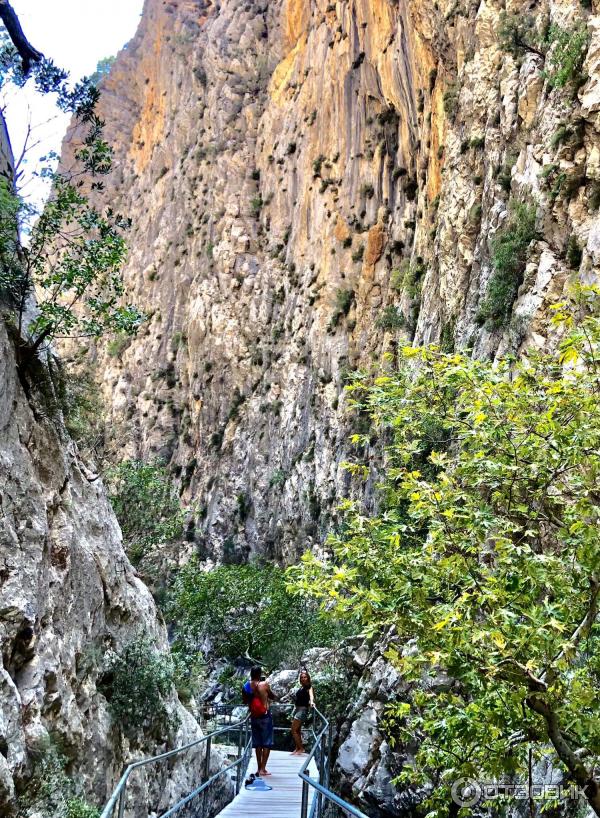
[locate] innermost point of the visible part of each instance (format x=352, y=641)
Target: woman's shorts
x=301, y=713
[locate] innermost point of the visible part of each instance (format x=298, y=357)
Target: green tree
x=73, y=257
x=146, y=504
x=102, y=69
x=246, y=610
x=484, y=556
x=73, y=261
x=518, y=34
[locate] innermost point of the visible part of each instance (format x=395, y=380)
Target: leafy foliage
x=136, y=682
x=82, y=409
x=509, y=257
x=102, y=69
x=562, y=49
x=146, y=505
x=74, y=254
x=334, y=690
x=78, y=808
x=391, y=318
x=565, y=61
x=343, y=303
x=246, y=610
x=50, y=792
x=518, y=34
x=484, y=556
x=451, y=100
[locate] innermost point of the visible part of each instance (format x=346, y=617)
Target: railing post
x=304, y=808
x=206, y=774
x=122, y=802
x=321, y=775
x=240, y=752
x=329, y=752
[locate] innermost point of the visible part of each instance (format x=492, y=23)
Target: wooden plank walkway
x=284, y=800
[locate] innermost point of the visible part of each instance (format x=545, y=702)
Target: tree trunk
x=579, y=772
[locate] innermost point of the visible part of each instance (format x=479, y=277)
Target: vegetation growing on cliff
x=137, y=681
x=484, y=556
x=509, y=257
x=51, y=792
x=146, y=505
x=563, y=50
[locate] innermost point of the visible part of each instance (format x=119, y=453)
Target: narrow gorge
x=405, y=190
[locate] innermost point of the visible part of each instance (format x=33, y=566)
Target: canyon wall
x=312, y=185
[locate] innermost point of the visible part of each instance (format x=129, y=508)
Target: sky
x=76, y=34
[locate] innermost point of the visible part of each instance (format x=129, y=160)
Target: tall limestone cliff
x=312, y=184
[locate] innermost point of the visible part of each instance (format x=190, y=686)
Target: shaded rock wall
x=67, y=594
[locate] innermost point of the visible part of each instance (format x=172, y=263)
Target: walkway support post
x=241, y=749
x=121, y=803
x=322, y=774
x=304, y=808
x=329, y=752
x=206, y=773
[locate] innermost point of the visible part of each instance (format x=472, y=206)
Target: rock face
x=312, y=184
x=67, y=594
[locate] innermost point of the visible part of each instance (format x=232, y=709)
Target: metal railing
x=197, y=756
x=197, y=763
x=325, y=802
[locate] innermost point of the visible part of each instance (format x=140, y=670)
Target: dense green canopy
x=484, y=556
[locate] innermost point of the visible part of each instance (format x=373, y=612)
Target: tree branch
x=27, y=52
x=581, y=631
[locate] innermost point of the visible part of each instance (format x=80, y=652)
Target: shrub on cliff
x=136, y=682
x=509, y=257
x=146, y=504
x=51, y=792
x=484, y=556
x=564, y=65
x=563, y=50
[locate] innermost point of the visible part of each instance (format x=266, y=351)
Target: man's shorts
x=262, y=731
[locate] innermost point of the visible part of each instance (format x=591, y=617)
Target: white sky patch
x=76, y=34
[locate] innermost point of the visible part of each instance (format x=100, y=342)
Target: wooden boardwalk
x=284, y=800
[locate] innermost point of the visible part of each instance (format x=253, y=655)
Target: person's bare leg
x=265, y=758
x=297, y=736
x=258, y=751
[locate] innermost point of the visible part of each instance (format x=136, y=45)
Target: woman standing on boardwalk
x=305, y=699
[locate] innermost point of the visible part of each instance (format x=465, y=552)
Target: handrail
x=119, y=791
x=323, y=762
x=320, y=753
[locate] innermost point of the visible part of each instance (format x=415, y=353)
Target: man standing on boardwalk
x=257, y=694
